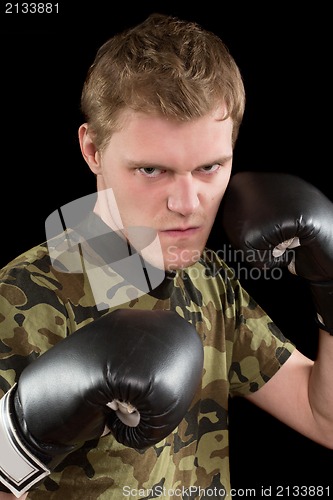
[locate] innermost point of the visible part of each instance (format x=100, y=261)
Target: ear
x=88, y=149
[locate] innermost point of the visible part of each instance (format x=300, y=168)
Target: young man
x=163, y=103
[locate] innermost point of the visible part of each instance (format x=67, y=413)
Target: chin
x=181, y=258
x=180, y=264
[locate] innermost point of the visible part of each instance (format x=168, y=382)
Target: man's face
x=166, y=175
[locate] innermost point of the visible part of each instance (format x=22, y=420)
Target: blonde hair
x=164, y=65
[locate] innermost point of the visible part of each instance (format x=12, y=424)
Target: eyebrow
x=150, y=164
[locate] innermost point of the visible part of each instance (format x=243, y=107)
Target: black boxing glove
x=132, y=372
x=279, y=219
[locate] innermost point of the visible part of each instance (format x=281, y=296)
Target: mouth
x=181, y=231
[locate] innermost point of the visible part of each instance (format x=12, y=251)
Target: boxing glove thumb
x=279, y=219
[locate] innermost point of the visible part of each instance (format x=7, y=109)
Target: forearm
x=321, y=386
x=10, y=496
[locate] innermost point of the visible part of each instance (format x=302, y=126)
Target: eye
x=150, y=171
x=210, y=169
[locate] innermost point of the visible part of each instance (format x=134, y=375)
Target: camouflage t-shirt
x=41, y=303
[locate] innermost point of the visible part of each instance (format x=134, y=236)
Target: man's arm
x=123, y=372
x=301, y=393
x=9, y=496
x=281, y=220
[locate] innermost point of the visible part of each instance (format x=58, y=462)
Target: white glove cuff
x=19, y=469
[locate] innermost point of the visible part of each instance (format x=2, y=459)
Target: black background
x=283, y=51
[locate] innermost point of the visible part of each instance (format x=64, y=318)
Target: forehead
x=157, y=133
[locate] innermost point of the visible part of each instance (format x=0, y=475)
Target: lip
x=181, y=231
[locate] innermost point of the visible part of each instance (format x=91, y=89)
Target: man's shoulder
x=29, y=258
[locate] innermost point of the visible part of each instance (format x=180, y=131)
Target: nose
x=183, y=198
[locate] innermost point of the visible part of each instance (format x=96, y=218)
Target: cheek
x=136, y=206
x=217, y=191
x=213, y=200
